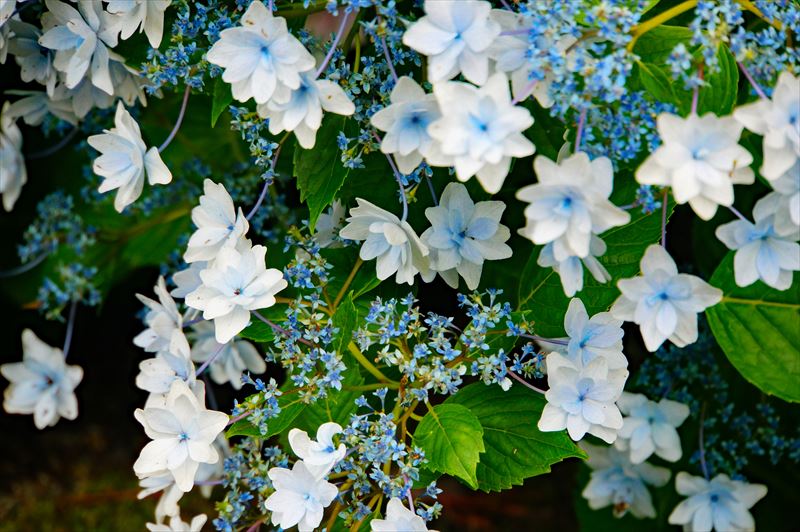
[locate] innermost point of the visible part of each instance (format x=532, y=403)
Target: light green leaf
x=336, y=406
x=319, y=172
x=515, y=448
x=758, y=328
x=719, y=95
x=657, y=82
x=452, y=438
x=345, y=319
x=656, y=45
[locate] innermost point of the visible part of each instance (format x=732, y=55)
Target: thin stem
x=237, y=418
x=278, y=328
x=408, y=495
x=696, y=92
x=525, y=92
x=209, y=360
x=398, y=177
x=178, y=122
x=388, y=58
x=579, y=133
x=644, y=27
x=506, y=5
x=208, y=482
x=543, y=339
x=347, y=283
x=335, y=43
x=369, y=366
x=749, y=76
x=56, y=147
x=664, y=220
x=521, y=31
x=371, y=387
x=70, y=328
x=703, y=465
x=738, y=214
x=267, y=182
x=433, y=191
x=25, y=267
x=524, y=382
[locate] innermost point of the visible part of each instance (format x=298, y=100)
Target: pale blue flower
x=719, y=504
x=649, y=427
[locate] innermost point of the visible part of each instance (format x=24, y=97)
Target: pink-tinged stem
x=579, y=133
x=209, y=360
x=749, y=76
x=70, y=328
x=335, y=43
x=664, y=220
x=524, y=382
x=179, y=121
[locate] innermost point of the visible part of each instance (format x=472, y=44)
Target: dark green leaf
x=758, y=328
x=452, y=438
x=336, y=407
x=222, y=99
x=515, y=448
x=656, y=82
x=345, y=319
x=656, y=45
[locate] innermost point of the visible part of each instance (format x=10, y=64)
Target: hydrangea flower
x=302, y=112
x=262, y=60
x=786, y=196
x=175, y=522
x=125, y=160
x=13, y=174
x=761, y=254
x=328, y=225
x=616, y=482
x=236, y=283
x=581, y=398
x=34, y=106
x=481, y=129
x=230, y=360
x=299, y=499
x=42, y=384
x=7, y=9
x=405, y=121
x=663, y=302
x=778, y=120
x=163, y=319
x=455, y=36
x=570, y=269
x=570, y=203
x=590, y=338
x=218, y=224
x=386, y=238
x=700, y=159
x=147, y=15
x=649, y=427
x=398, y=517
x=157, y=374
x=35, y=62
x=183, y=433
x=81, y=38
x=463, y=234
x=319, y=456
x=719, y=504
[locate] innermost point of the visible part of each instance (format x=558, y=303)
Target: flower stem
x=640, y=29
x=267, y=182
x=703, y=465
x=738, y=214
x=525, y=92
x=347, y=283
x=398, y=177
x=278, y=328
x=209, y=360
x=25, y=267
x=334, y=44
x=664, y=219
x=178, y=122
x=369, y=366
x=524, y=382
x=70, y=328
x=579, y=133
x=749, y=76
x=433, y=191
x=56, y=147
x=388, y=57
x=543, y=339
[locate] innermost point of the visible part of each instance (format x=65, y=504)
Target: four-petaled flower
x=300, y=498
x=649, y=427
x=218, y=223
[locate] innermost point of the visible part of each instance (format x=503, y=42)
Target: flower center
x=183, y=437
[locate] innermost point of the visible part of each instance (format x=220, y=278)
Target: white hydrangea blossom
x=35, y=62
x=218, y=224
x=157, y=374
x=147, y=15
x=405, y=121
x=33, y=107
x=597, y=337
x=700, y=159
x=616, y=482
x=81, y=38
x=455, y=36
x=319, y=456
x=649, y=427
x=663, y=302
x=7, y=8
x=176, y=524
x=761, y=254
x=162, y=319
x=13, y=174
x=570, y=203
x=231, y=360
x=328, y=225
x=299, y=498
x=262, y=60
x=570, y=270
x=42, y=384
x=719, y=504
x=188, y=280
x=124, y=160
x=301, y=113
x=183, y=433
x=778, y=120
x=464, y=234
x=481, y=129
x=786, y=195
x=237, y=282
x=392, y=242
x=581, y=398
x=398, y=517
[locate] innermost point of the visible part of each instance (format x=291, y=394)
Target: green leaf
x=221, y=100
x=345, y=319
x=343, y=261
x=719, y=95
x=452, y=438
x=656, y=81
x=336, y=406
x=758, y=328
x=291, y=407
x=319, y=172
x=656, y=45
x=540, y=289
x=258, y=331
x=515, y=448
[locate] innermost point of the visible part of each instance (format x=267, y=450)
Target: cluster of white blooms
x=649, y=427
x=302, y=493
x=586, y=377
x=42, y=384
x=663, y=302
